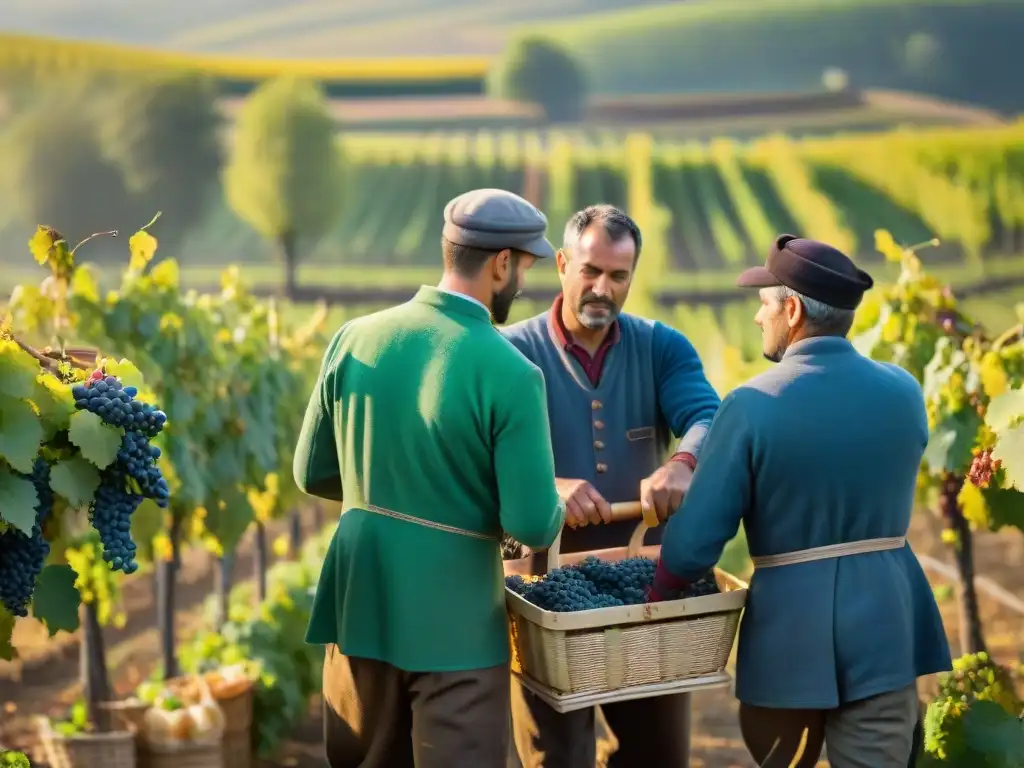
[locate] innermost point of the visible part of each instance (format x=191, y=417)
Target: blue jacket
x=822, y=449
x=652, y=391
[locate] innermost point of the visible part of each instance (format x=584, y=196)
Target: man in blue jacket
x=620, y=391
x=819, y=459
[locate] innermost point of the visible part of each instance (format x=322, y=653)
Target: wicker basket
x=185, y=756
x=608, y=649
x=88, y=750
x=237, y=708
x=127, y=714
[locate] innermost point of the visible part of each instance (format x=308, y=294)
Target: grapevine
x=595, y=583
x=9, y=759
x=59, y=455
x=972, y=383
x=976, y=717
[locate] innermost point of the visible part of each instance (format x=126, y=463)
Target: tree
x=161, y=130
x=541, y=72
x=284, y=173
x=52, y=157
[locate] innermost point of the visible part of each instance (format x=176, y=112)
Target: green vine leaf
x=949, y=447
x=18, y=501
x=228, y=524
x=1005, y=507
x=98, y=442
x=992, y=732
x=21, y=432
x=56, y=599
x=75, y=479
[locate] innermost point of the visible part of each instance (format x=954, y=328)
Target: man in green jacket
x=432, y=431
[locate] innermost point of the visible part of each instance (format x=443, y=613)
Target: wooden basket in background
x=606, y=650
x=87, y=750
x=183, y=756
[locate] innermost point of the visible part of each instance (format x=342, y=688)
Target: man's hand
x=664, y=490
x=583, y=504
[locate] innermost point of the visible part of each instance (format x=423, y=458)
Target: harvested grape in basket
x=595, y=583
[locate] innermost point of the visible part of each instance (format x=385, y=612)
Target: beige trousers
x=877, y=732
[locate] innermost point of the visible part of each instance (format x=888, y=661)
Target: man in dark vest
x=432, y=431
x=819, y=459
x=620, y=391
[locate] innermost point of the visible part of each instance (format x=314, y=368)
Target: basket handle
x=621, y=511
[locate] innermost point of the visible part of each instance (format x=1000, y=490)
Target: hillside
x=298, y=28
x=965, y=50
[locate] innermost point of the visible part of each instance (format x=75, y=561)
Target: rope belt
x=829, y=551
x=427, y=523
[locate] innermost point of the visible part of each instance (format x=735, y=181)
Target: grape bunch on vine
x=74, y=455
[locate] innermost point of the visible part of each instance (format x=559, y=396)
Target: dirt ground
x=45, y=680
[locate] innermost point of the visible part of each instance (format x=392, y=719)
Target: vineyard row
x=723, y=201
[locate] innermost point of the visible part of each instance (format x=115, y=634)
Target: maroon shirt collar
x=592, y=365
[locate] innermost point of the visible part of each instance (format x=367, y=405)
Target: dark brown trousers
x=651, y=733
x=379, y=716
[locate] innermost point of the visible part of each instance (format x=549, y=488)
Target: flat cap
x=812, y=268
x=496, y=219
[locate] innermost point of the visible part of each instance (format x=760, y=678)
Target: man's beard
x=596, y=323
x=777, y=352
x=501, y=303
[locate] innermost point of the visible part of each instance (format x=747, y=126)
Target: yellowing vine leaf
x=125, y=370
x=54, y=401
x=887, y=246
x=18, y=370
x=7, y=652
x=1010, y=451
x=41, y=244
x=143, y=247
x=166, y=274
x=84, y=285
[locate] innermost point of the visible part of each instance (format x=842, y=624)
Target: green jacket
x=427, y=411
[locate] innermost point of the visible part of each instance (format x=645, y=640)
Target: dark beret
x=496, y=219
x=812, y=268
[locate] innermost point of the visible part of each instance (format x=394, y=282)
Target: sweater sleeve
x=687, y=400
x=531, y=511
x=719, y=497
x=316, y=467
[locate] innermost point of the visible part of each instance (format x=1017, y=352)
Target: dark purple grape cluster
x=22, y=557
x=595, y=583
x=117, y=406
x=134, y=474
